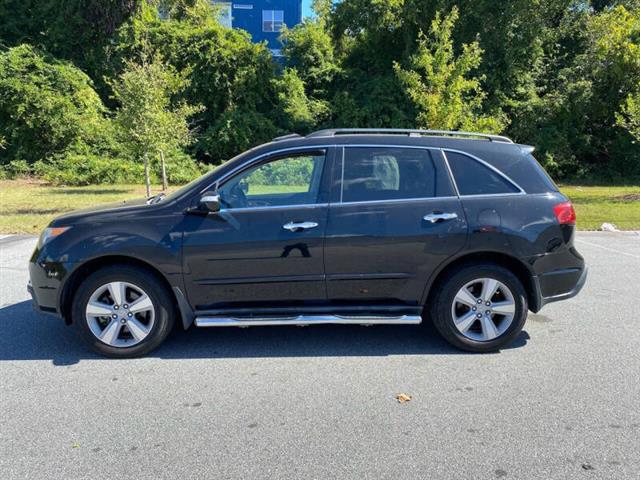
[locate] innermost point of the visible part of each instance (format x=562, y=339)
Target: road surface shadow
x=29, y=335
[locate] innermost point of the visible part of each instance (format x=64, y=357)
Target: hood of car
x=101, y=212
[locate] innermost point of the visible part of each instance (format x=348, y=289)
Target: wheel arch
x=90, y=266
x=513, y=264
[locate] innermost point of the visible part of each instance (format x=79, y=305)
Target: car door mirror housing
x=210, y=202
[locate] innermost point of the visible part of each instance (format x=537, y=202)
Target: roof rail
x=286, y=137
x=405, y=131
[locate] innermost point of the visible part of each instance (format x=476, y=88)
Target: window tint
x=474, y=178
x=293, y=180
x=387, y=174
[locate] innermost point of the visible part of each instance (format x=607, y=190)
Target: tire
x=138, y=328
x=468, y=328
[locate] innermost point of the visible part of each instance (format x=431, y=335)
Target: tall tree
x=629, y=116
x=440, y=84
x=146, y=117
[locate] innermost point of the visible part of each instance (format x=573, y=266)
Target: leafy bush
x=88, y=169
x=181, y=168
x=46, y=107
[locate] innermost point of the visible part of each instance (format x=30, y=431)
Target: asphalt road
x=318, y=402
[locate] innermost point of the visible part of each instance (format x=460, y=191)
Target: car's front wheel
x=123, y=311
x=479, y=307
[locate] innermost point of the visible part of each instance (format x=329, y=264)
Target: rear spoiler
x=527, y=148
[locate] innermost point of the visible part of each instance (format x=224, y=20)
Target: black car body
x=368, y=228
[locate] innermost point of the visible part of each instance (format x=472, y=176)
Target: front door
x=393, y=218
x=264, y=248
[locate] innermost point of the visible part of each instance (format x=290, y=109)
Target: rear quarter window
x=474, y=178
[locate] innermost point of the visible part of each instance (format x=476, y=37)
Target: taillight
x=565, y=213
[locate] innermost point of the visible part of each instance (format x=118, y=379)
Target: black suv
x=350, y=226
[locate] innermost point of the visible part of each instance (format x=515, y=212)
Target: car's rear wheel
x=479, y=307
x=123, y=311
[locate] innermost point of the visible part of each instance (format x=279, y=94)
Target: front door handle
x=436, y=217
x=299, y=226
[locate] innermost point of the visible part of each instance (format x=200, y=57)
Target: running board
x=221, y=321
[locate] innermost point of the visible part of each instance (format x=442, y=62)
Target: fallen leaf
x=403, y=397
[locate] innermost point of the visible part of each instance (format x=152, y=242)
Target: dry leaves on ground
x=403, y=397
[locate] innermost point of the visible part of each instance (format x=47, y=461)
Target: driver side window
x=291, y=180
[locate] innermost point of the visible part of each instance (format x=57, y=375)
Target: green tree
x=75, y=30
x=227, y=73
x=629, y=116
x=146, y=118
x=299, y=112
x=439, y=83
x=309, y=49
x=47, y=107
x=589, y=73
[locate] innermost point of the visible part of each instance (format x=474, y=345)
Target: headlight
x=50, y=233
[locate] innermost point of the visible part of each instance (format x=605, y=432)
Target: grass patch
x=27, y=206
x=596, y=205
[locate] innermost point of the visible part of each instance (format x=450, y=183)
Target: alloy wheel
x=483, y=309
x=120, y=314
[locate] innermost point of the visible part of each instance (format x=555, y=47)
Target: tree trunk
x=165, y=184
x=147, y=182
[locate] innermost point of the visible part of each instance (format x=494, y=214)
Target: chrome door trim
x=394, y=200
x=274, y=207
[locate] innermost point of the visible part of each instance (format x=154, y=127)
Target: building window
x=243, y=6
x=272, y=20
x=224, y=14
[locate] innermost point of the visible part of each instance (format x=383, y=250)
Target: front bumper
x=45, y=283
x=558, y=285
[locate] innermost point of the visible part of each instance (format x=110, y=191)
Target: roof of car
x=467, y=141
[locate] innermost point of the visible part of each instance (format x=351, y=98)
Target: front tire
x=123, y=311
x=479, y=307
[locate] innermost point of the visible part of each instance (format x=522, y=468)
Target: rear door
x=393, y=218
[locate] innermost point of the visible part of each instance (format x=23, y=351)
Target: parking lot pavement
x=318, y=402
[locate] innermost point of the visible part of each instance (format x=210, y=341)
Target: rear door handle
x=440, y=217
x=299, y=226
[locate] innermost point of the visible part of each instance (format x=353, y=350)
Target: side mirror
x=210, y=202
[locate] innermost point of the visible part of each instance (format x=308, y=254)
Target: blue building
x=263, y=19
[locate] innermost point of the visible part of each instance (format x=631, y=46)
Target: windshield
x=185, y=188
x=179, y=192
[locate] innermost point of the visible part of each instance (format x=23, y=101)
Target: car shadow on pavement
x=29, y=335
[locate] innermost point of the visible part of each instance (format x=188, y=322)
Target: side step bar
x=221, y=321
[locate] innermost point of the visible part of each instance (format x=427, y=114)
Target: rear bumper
x=558, y=285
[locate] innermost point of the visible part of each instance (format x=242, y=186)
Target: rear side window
x=474, y=178
x=386, y=173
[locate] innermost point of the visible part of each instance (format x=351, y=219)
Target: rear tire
x=123, y=311
x=473, y=323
